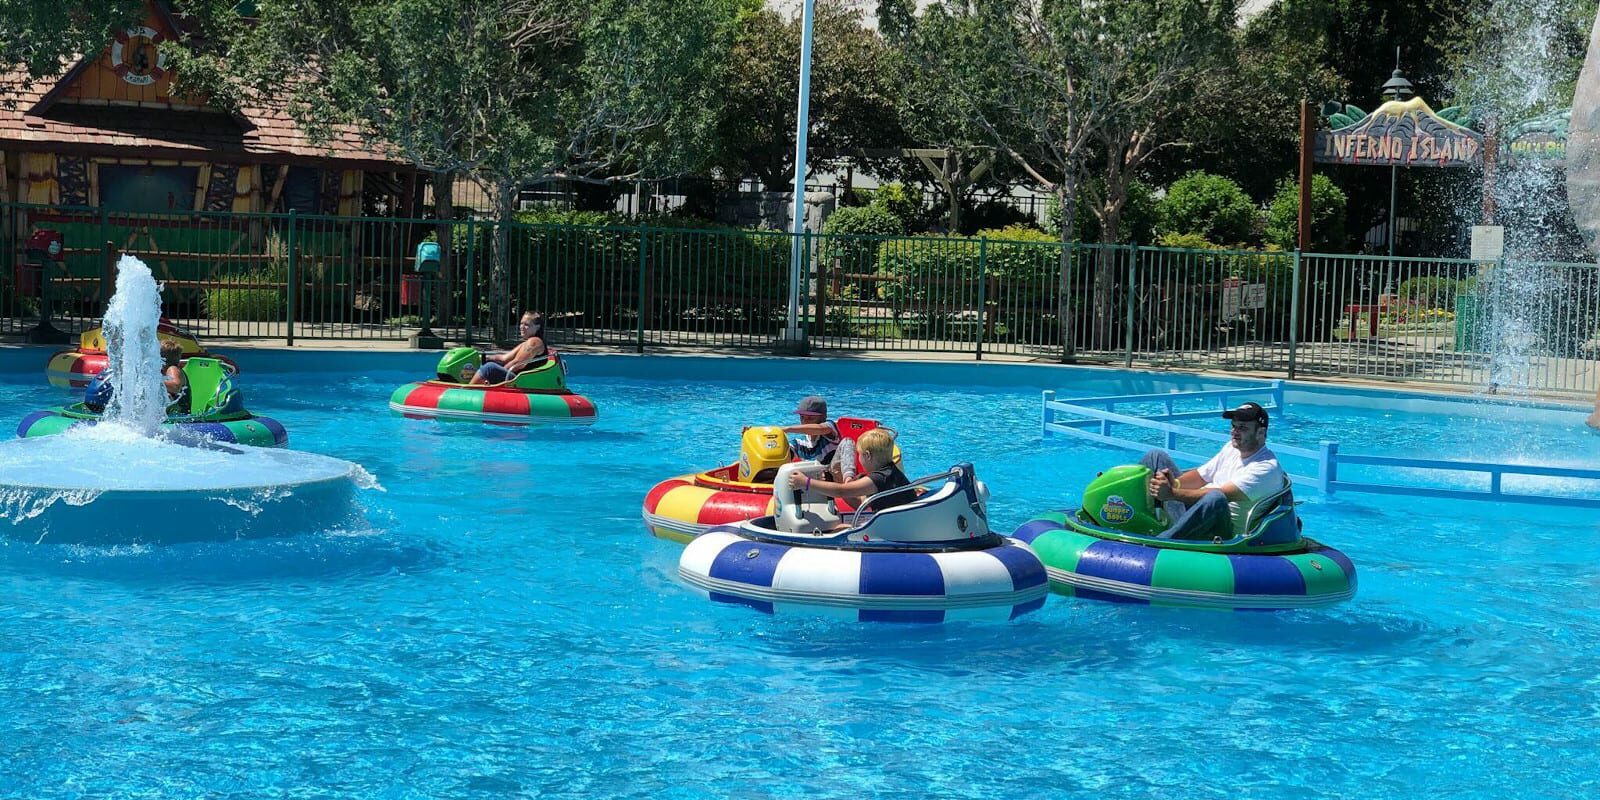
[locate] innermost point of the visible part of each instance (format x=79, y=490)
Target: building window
x=147, y=189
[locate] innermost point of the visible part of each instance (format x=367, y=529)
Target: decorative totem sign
x=1401, y=133
x=1541, y=139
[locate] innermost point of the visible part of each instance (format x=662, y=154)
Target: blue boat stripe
x=1115, y=561
x=27, y=422
x=1262, y=574
x=747, y=562
x=1025, y=568
x=1034, y=528
x=901, y=574
x=279, y=434
x=1342, y=560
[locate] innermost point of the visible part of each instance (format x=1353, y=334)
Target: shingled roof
x=46, y=116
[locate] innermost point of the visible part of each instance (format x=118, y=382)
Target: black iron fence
x=1511, y=324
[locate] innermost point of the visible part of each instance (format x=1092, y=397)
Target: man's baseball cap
x=812, y=404
x=1248, y=412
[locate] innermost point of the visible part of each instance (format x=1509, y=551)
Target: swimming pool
x=501, y=624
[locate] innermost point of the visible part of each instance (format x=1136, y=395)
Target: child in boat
x=502, y=367
x=173, y=378
x=882, y=475
x=822, y=442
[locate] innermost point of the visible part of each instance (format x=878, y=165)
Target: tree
x=852, y=94
x=1207, y=205
x=1062, y=84
x=43, y=36
x=1327, y=215
x=504, y=91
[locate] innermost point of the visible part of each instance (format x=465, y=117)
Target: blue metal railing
x=1073, y=417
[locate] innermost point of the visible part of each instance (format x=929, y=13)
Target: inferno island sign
x=1401, y=133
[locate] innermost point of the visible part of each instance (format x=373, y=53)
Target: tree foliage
x=1327, y=216
x=42, y=36
x=1210, y=206
x=852, y=104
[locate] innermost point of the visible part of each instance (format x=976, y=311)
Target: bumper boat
x=1108, y=550
x=685, y=506
x=216, y=412
x=930, y=560
x=536, y=395
x=75, y=368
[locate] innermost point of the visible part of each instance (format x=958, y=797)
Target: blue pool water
x=499, y=623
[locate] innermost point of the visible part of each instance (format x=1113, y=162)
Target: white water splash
x=1535, y=310
x=133, y=351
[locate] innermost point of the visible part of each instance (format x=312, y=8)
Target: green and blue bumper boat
x=216, y=413
x=1109, y=550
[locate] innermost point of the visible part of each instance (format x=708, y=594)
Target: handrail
x=926, y=479
x=1328, y=458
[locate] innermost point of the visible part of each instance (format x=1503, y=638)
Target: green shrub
x=237, y=300
x=1209, y=205
x=246, y=304
x=1430, y=291
x=698, y=275
x=1327, y=215
x=1186, y=241
x=1138, y=223
x=904, y=202
x=933, y=279
x=853, y=235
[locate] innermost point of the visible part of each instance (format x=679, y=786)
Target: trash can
x=410, y=289
x=1469, y=332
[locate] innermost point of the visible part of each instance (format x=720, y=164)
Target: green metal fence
x=301, y=277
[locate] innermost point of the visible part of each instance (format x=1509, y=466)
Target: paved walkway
x=1257, y=361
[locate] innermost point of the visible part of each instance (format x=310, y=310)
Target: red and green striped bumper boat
x=538, y=395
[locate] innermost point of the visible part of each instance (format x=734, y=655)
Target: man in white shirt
x=1214, y=500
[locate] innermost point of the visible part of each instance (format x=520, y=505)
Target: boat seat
x=211, y=390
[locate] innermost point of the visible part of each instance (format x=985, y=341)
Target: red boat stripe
x=578, y=405
x=724, y=507
x=497, y=402
x=425, y=396
x=654, y=497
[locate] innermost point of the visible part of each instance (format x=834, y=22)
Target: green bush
x=1430, y=292
x=246, y=304
x=586, y=267
x=235, y=300
x=853, y=235
x=1327, y=215
x=1209, y=205
x=1138, y=223
x=932, y=280
x=904, y=202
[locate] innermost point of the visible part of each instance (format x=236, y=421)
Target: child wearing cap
x=821, y=441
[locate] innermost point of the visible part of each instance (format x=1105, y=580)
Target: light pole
x=1397, y=88
x=792, y=336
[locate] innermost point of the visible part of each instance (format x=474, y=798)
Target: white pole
x=798, y=214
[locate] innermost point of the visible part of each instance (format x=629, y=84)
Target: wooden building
x=109, y=133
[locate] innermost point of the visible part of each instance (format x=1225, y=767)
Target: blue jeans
x=493, y=372
x=1208, y=518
